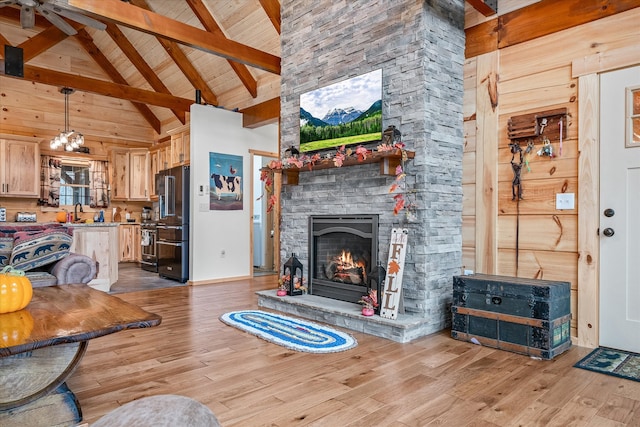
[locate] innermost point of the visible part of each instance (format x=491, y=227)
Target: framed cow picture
x=225, y=182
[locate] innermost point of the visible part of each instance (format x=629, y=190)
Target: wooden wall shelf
x=388, y=160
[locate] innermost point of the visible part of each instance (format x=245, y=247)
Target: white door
x=620, y=210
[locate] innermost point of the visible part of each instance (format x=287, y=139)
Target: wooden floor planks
x=246, y=381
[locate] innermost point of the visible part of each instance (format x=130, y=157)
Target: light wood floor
x=248, y=382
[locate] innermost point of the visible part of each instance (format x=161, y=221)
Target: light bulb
x=68, y=148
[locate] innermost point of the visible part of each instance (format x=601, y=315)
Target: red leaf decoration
x=399, y=205
x=362, y=153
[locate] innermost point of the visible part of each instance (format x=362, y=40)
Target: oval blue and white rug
x=289, y=332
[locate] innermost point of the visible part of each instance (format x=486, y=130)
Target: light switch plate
x=565, y=201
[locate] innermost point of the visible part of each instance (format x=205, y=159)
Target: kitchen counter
x=93, y=224
x=67, y=224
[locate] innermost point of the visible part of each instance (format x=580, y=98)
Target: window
x=66, y=181
x=74, y=183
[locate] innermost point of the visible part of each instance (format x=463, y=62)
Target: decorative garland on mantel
x=300, y=161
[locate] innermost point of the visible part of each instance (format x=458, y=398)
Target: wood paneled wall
x=532, y=76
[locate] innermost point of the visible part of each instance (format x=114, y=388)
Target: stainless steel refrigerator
x=172, y=187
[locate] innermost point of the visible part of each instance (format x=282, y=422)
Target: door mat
x=614, y=362
x=289, y=332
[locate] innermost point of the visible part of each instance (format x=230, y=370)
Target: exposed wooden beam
x=89, y=46
x=141, y=65
x=161, y=26
x=207, y=21
x=551, y=16
x=481, y=38
x=41, y=42
x=261, y=114
x=537, y=20
x=101, y=87
x=487, y=8
x=181, y=60
x=272, y=8
x=190, y=72
x=51, y=36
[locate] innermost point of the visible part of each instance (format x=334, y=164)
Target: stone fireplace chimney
x=419, y=45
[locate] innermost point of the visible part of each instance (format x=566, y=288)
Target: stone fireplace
x=342, y=251
x=419, y=45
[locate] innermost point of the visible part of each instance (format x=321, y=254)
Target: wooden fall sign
x=391, y=292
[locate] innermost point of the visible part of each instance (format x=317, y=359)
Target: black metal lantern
x=376, y=279
x=391, y=135
x=292, y=276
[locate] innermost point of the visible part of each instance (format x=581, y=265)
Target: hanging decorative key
x=547, y=148
x=527, y=152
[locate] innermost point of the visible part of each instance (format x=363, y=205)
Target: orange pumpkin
x=15, y=328
x=61, y=216
x=15, y=290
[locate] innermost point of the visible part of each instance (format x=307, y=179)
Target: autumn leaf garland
x=361, y=153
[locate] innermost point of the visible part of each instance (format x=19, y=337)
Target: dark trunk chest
x=526, y=316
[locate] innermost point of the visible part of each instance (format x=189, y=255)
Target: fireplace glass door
x=343, y=250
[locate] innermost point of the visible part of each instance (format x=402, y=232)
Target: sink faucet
x=75, y=211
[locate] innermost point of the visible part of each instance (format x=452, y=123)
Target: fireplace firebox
x=343, y=249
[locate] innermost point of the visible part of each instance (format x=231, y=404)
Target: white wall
x=211, y=232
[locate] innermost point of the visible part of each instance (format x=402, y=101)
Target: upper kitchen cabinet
x=159, y=158
x=20, y=167
x=180, y=146
x=130, y=176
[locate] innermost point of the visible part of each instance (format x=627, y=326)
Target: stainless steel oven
x=173, y=252
x=148, y=240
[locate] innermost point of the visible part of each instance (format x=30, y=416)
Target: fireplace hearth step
x=348, y=315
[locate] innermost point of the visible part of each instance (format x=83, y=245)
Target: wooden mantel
x=388, y=160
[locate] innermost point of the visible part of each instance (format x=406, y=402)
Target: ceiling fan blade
x=7, y=2
x=27, y=17
x=78, y=17
x=57, y=21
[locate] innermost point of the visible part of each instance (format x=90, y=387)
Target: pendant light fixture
x=70, y=140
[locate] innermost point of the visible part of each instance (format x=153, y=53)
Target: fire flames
x=347, y=269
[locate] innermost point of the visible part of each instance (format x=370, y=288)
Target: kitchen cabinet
x=159, y=157
x=130, y=174
x=20, y=167
x=180, y=146
x=129, y=242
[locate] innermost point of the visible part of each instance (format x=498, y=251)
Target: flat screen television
x=347, y=113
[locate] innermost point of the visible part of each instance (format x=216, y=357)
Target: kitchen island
x=98, y=241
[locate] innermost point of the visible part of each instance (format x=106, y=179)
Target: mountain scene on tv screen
x=340, y=126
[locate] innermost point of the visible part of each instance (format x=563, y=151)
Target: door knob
x=609, y=212
x=608, y=232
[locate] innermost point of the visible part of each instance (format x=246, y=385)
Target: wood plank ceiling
x=156, y=53
x=153, y=54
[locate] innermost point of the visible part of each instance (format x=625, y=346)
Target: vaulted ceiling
x=153, y=55
x=136, y=79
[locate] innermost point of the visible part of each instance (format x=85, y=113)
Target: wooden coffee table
x=41, y=345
